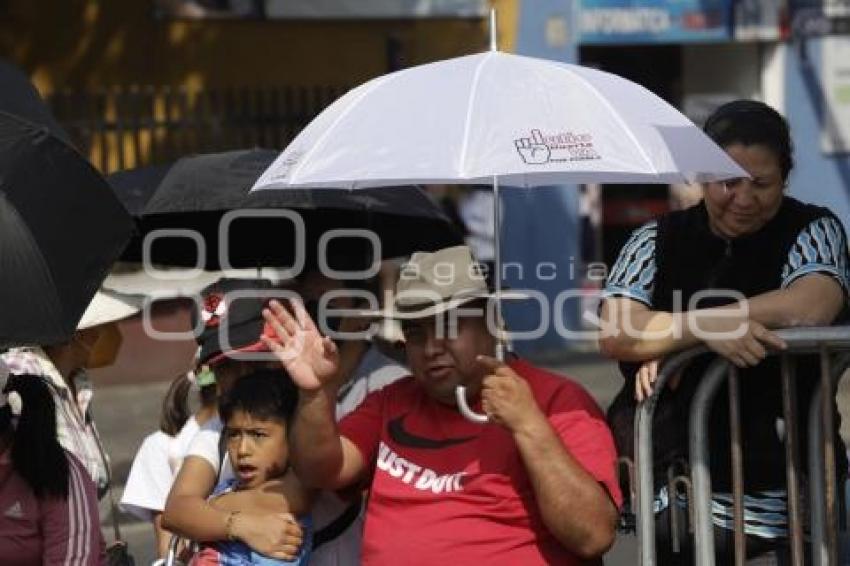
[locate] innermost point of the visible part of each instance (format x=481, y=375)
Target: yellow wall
x=90, y=43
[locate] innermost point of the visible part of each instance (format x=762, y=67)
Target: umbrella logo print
x=287, y=164
x=563, y=146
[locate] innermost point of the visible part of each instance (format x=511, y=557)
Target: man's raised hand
x=311, y=359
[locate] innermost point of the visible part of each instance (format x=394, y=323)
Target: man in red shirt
x=534, y=485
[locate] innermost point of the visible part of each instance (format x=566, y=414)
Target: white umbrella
x=527, y=121
x=498, y=118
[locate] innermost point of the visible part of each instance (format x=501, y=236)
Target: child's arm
x=280, y=495
x=188, y=513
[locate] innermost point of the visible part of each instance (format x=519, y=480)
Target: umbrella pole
x=497, y=277
x=494, y=42
x=460, y=391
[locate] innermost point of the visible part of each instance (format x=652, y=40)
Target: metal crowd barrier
x=833, y=346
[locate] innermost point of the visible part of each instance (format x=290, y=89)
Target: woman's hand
x=742, y=341
x=276, y=535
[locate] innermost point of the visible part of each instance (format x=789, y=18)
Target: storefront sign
x=761, y=20
x=653, y=21
x=829, y=18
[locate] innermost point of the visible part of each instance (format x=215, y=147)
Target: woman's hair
x=37, y=455
x=750, y=122
x=175, y=404
x=264, y=394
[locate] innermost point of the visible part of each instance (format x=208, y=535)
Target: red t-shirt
x=446, y=489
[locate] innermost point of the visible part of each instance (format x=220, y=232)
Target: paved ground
x=127, y=412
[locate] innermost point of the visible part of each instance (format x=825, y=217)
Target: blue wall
x=817, y=178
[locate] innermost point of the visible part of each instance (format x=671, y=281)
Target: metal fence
x=121, y=128
x=833, y=346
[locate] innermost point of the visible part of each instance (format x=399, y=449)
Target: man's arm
x=320, y=456
x=189, y=514
x=575, y=508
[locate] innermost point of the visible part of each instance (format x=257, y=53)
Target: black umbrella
x=199, y=192
x=20, y=98
x=135, y=187
x=61, y=228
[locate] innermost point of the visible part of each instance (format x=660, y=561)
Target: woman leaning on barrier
x=746, y=238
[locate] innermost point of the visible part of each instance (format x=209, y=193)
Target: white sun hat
x=109, y=306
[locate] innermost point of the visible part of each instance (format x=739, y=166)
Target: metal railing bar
x=792, y=456
x=815, y=337
x=643, y=454
x=820, y=556
x=816, y=475
x=830, y=530
x=734, y=387
x=700, y=474
x=673, y=507
x=799, y=340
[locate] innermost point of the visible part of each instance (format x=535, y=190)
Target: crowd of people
x=305, y=449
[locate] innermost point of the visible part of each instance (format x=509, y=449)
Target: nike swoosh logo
x=397, y=432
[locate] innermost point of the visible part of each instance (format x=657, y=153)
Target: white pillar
x=773, y=65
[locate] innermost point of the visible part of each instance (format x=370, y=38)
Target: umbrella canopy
x=526, y=121
x=20, y=98
x=197, y=193
x=61, y=228
x=135, y=187
x=500, y=118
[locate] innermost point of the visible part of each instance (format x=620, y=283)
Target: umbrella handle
x=463, y=407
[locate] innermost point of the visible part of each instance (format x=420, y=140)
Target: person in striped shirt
x=760, y=259
x=48, y=506
x=64, y=369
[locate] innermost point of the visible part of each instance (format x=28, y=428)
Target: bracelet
x=228, y=525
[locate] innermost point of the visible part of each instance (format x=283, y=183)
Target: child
x=256, y=414
x=161, y=454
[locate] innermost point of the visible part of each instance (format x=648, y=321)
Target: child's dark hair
x=750, y=122
x=175, y=404
x=264, y=394
x=37, y=455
